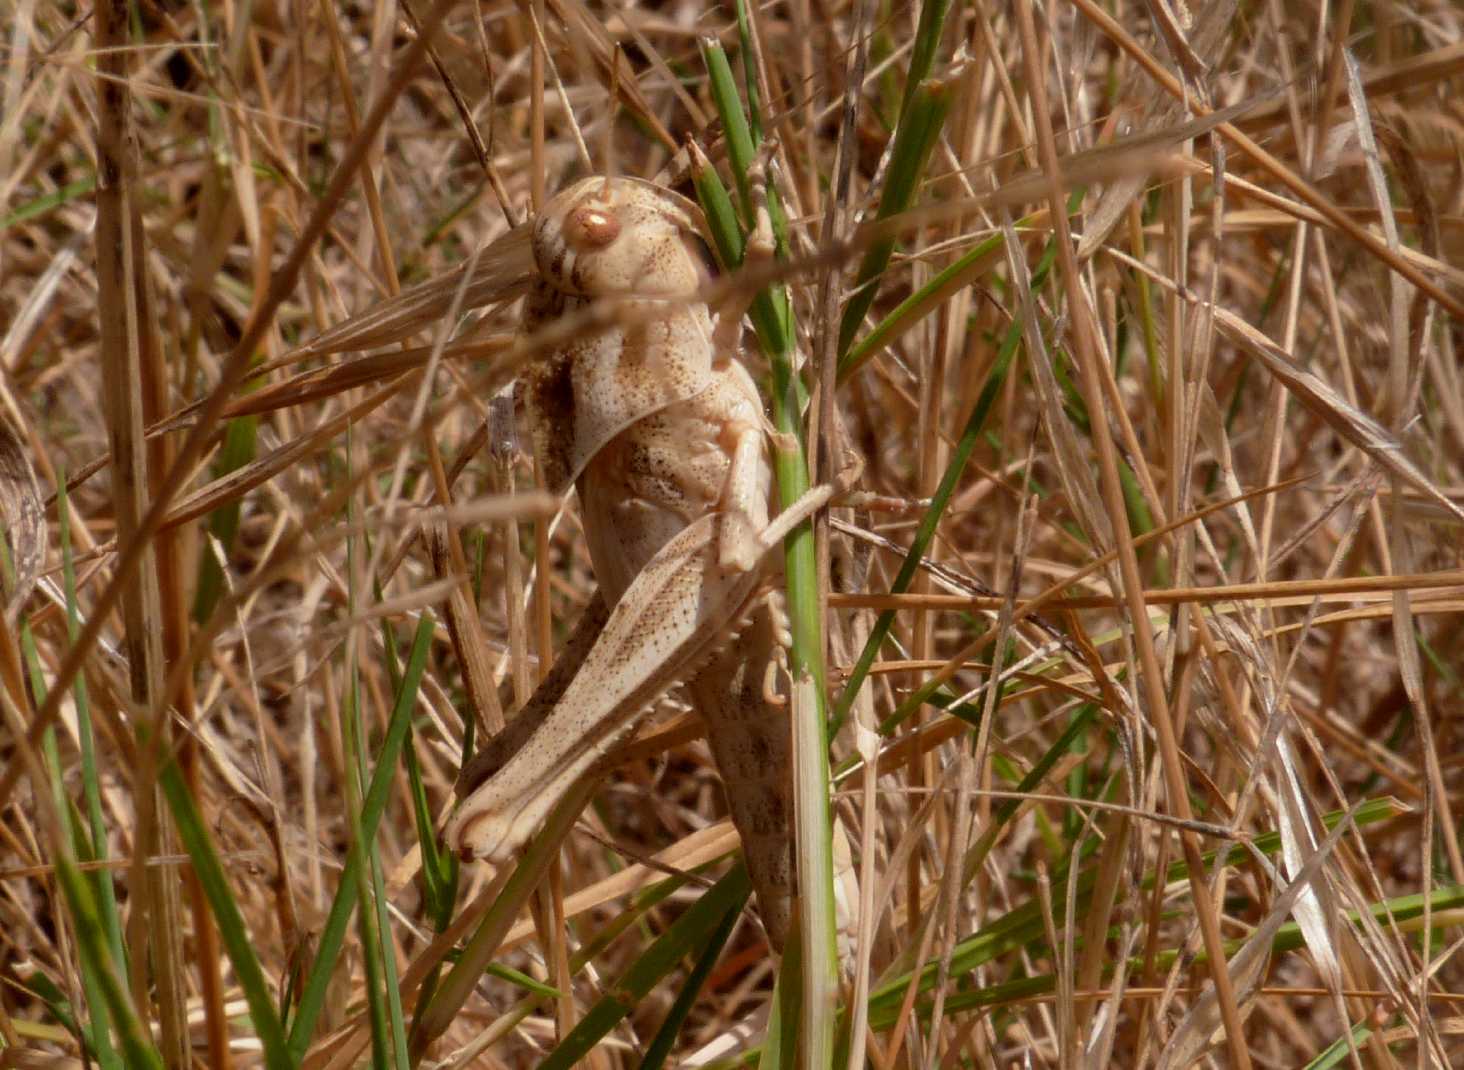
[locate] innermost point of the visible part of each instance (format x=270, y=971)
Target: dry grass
x=1209, y=525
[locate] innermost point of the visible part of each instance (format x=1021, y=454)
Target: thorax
x=663, y=472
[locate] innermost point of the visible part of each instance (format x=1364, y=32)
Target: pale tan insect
x=662, y=431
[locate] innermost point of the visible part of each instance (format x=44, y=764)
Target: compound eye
x=591, y=227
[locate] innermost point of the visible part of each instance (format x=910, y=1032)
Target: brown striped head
x=606, y=236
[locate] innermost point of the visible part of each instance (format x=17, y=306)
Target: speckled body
x=657, y=428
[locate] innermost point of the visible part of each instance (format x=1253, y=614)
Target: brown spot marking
x=552, y=385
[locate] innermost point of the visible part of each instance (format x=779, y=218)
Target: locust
x=659, y=426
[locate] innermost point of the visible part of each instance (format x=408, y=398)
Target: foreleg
x=744, y=498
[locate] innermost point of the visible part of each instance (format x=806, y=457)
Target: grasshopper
x=662, y=431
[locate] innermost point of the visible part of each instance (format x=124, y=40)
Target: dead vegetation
x=1159, y=375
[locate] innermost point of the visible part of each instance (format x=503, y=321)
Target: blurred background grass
x=1143, y=322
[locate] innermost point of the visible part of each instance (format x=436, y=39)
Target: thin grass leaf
x=928, y=33
x=915, y=139
x=661, y=1043
x=1340, y=1050
x=780, y=1046
x=440, y=869
x=749, y=72
x=99, y=1032
x=924, y=301
x=970, y=435
x=438, y=874
x=1063, y=745
x=391, y=982
x=523, y=980
x=332, y=935
x=517, y=885
x=101, y=879
x=720, y=213
x=86, y=739
x=376, y=955
x=1287, y=938
x=97, y=1038
x=59, y=1006
x=1002, y=816
x=591, y=949
x=929, y=522
x=237, y=942
x=1023, y=925
x=772, y=311
x=370, y=937
x=689, y=934
x=137, y=1047
x=39, y=206
x=773, y=318
x=223, y=522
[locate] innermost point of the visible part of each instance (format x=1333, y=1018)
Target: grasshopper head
x=622, y=235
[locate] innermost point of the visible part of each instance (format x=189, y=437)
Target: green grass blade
x=1340, y=1050
x=42, y=988
x=925, y=532
x=370, y=937
x=915, y=139
x=1288, y=938
x=137, y=1048
x=223, y=523
x=39, y=206
x=438, y=874
x=76, y=844
x=931, y=520
x=665, y=1037
x=1000, y=818
x=772, y=312
x=1035, y=776
x=749, y=71
x=196, y=842
x=391, y=982
x=523, y=980
x=440, y=868
x=106, y=896
x=929, y=298
x=780, y=1048
x=434, y=1016
x=740, y=145
x=332, y=936
x=588, y=951
x=361, y=849
x=927, y=42
x=689, y=934
x=91, y=968
x=772, y=317
x=743, y=136
x=721, y=215
x=1024, y=924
